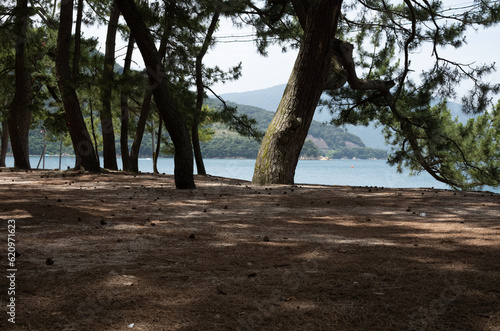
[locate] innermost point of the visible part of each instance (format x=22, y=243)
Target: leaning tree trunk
x=4, y=143
x=125, y=107
x=133, y=164
x=285, y=136
x=82, y=144
x=200, y=94
x=146, y=108
x=183, y=158
x=108, y=132
x=19, y=113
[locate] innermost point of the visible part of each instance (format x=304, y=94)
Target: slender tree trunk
x=173, y=119
x=157, y=152
x=19, y=113
x=141, y=125
x=5, y=143
x=125, y=107
x=54, y=7
x=78, y=40
x=60, y=152
x=75, y=69
x=200, y=94
x=92, y=130
x=146, y=105
x=280, y=149
x=200, y=166
x=82, y=144
x=108, y=133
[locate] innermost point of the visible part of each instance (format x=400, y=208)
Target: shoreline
x=337, y=172
x=226, y=158
x=75, y=173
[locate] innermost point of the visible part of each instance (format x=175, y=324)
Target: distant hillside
x=53, y=144
x=335, y=137
x=270, y=98
x=329, y=140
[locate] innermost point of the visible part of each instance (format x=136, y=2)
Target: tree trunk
x=183, y=158
x=146, y=104
x=108, y=133
x=78, y=40
x=92, y=130
x=82, y=144
x=280, y=149
x=200, y=94
x=19, y=112
x=76, y=63
x=4, y=142
x=139, y=133
x=146, y=107
x=125, y=107
x=200, y=166
x=156, y=153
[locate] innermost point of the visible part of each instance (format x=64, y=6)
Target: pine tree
x=376, y=85
x=19, y=115
x=107, y=85
x=176, y=126
x=82, y=143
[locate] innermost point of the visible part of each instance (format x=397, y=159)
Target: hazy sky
x=483, y=46
x=261, y=72
x=258, y=71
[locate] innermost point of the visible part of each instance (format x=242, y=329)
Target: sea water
x=332, y=172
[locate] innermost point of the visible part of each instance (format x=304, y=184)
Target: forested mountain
x=269, y=99
x=328, y=140
x=354, y=141
x=228, y=144
x=53, y=144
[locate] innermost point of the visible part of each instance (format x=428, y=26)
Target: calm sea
x=333, y=172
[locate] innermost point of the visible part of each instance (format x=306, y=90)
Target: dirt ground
x=118, y=251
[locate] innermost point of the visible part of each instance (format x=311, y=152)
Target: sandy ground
x=119, y=251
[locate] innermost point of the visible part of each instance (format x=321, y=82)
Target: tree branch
x=337, y=77
x=408, y=41
x=301, y=9
x=344, y=50
x=247, y=127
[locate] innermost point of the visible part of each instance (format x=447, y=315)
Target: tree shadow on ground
x=229, y=256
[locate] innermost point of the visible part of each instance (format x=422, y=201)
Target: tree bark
x=176, y=126
x=141, y=124
x=195, y=137
x=108, y=132
x=125, y=114
x=200, y=95
x=82, y=144
x=280, y=149
x=4, y=142
x=19, y=111
x=78, y=40
x=157, y=151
